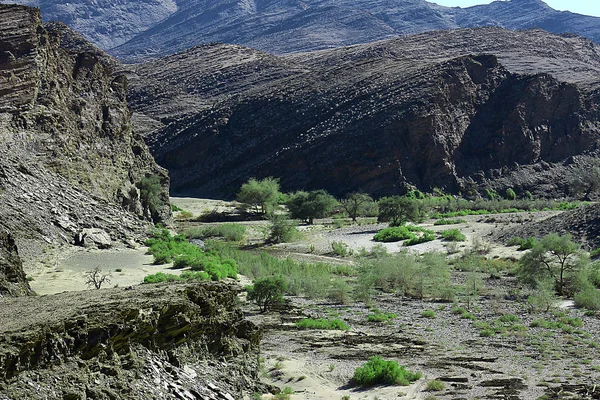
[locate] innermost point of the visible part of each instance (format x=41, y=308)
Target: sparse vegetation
x=322, y=323
x=378, y=316
x=229, y=232
x=435, y=385
x=96, y=278
x=444, y=221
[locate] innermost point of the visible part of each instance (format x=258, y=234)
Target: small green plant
x=381, y=317
x=341, y=249
x=510, y=194
x=322, y=323
x=425, y=237
x=428, y=314
x=331, y=367
x=175, y=208
x=453, y=235
x=435, y=385
x=377, y=370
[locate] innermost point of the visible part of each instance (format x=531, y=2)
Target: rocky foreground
x=153, y=342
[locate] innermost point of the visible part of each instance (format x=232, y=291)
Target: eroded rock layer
x=154, y=342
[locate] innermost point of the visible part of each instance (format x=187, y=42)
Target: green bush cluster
x=267, y=292
x=160, y=277
x=302, y=278
x=524, y=244
x=378, y=370
x=341, y=249
x=564, y=323
x=322, y=323
x=166, y=248
x=229, y=232
x=453, y=235
x=427, y=236
x=444, y=221
x=398, y=233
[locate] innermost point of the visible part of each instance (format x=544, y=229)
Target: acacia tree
x=310, y=205
x=261, y=195
x=555, y=257
x=397, y=210
x=354, y=204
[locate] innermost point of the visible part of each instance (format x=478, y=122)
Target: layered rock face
x=69, y=159
x=165, y=342
x=12, y=277
x=441, y=109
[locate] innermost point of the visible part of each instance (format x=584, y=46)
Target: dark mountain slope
x=428, y=110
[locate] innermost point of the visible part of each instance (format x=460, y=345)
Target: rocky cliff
x=69, y=159
x=442, y=109
x=12, y=277
x=154, y=342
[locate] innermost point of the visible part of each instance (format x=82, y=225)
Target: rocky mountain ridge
x=69, y=159
x=141, y=29
x=446, y=109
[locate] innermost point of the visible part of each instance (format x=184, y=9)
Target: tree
x=96, y=278
x=261, y=195
x=397, y=210
x=151, y=194
x=354, y=204
x=555, y=257
x=267, y=292
x=310, y=205
x=282, y=229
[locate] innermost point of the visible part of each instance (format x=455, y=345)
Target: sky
x=587, y=7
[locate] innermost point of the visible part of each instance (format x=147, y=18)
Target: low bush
x=341, y=249
x=393, y=234
x=339, y=292
x=381, y=317
x=435, y=385
x=185, y=276
x=229, y=232
x=444, y=221
x=282, y=230
x=453, y=235
x=524, y=244
x=428, y=314
x=378, y=370
x=322, y=323
x=425, y=237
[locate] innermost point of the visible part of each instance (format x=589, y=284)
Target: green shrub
x=339, y=292
x=435, y=385
x=322, y=323
x=229, y=232
x=175, y=208
x=425, y=237
x=341, y=249
x=515, y=241
x=378, y=370
x=151, y=194
x=260, y=196
x=588, y=298
x=381, y=317
x=510, y=194
x=310, y=205
x=453, y=235
x=282, y=230
x=428, y=314
x=267, y=292
x=393, y=234
x=161, y=277
x=527, y=244
x=444, y=221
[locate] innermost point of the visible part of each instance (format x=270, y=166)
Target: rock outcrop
x=442, y=109
x=154, y=342
x=69, y=159
x=12, y=277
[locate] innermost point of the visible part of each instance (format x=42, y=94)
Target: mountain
x=70, y=162
x=445, y=109
x=138, y=30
